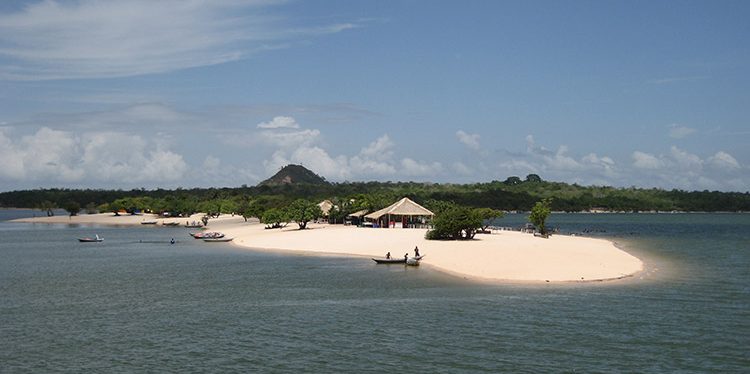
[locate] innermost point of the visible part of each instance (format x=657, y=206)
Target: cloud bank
x=118, y=149
x=62, y=157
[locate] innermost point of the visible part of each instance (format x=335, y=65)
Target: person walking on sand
x=416, y=251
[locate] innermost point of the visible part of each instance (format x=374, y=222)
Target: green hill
x=294, y=174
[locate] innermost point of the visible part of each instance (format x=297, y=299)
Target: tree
x=487, y=215
x=303, y=211
x=72, y=207
x=512, y=181
x=91, y=208
x=539, y=214
x=533, y=178
x=273, y=218
x=457, y=223
x=48, y=207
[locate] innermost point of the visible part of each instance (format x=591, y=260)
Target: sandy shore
x=501, y=256
x=105, y=219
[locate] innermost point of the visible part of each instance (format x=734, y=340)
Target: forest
x=512, y=194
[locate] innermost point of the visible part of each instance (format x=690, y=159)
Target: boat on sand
x=399, y=260
x=207, y=235
x=217, y=240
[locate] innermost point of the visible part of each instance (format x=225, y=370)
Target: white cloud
x=678, y=132
x=379, y=149
x=92, y=39
x=322, y=163
x=685, y=160
x=290, y=139
x=369, y=168
x=420, y=169
x=211, y=163
x=723, y=161
x=279, y=122
x=62, y=157
x=461, y=168
x=642, y=160
x=469, y=140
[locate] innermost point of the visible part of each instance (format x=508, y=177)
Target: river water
x=137, y=303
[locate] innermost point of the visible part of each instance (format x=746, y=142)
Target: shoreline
x=501, y=257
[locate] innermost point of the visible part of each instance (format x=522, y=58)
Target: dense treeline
x=511, y=194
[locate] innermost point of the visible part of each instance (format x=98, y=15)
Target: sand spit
x=500, y=256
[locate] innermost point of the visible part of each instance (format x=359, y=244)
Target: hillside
x=294, y=174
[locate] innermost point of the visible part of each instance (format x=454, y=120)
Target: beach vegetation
x=488, y=216
x=47, y=207
x=72, y=207
x=303, y=211
x=539, y=214
x=249, y=208
x=91, y=208
x=274, y=218
x=455, y=223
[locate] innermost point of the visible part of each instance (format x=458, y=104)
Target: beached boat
x=413, y=261
x=150, y=222
x=170, y=223
x=384, y=260
x=207, y=235
x=399, y=260
x=217, y=240
x=95, y=239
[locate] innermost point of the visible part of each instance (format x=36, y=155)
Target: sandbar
x=501, y=256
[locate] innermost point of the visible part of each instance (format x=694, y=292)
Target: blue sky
x=223, y=93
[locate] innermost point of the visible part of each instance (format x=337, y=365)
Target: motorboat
x=217, y=240
x=95, y=239
x=207, y=235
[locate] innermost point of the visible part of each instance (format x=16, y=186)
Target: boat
x=217, y=240
x=414, y=261
x=95, y=239
x=384, y=260
x=173, y=223
x=207, y=235
x=151, y=222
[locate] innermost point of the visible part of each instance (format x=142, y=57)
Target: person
x=388, y=255
x=406, y=256
x=171, y=241
x=416, y=251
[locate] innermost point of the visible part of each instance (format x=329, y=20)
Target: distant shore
x=498, y=257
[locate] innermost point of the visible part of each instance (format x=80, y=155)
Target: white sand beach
x=500, y=256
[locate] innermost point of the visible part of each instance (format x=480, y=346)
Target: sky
x=221, y=93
